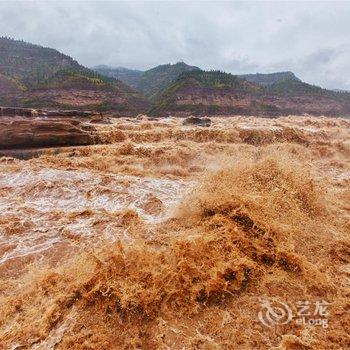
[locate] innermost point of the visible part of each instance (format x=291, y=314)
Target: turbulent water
x=174, y=237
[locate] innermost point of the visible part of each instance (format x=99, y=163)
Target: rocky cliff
x=29, y=133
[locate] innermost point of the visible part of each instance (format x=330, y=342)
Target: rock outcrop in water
x=197, y=121
x=30, y=133
x=32, y=112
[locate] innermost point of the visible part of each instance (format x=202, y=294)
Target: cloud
x=309, y=38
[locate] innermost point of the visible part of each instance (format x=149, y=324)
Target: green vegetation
x=213, y=79
x=78, y=79
x=34, y=67
x=31, y=64
x=205, y=81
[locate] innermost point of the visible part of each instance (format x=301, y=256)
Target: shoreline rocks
x=33, y=113
x=34, y=133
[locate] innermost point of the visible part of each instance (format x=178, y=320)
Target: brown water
x=168, y=236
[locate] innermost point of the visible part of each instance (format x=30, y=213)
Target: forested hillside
x=31, y=75
x=216, y=92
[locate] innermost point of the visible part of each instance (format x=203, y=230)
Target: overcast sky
x=312, y=39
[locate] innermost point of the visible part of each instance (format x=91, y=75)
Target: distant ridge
x=130, y=77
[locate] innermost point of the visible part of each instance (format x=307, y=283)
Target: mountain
x=150, y=83
x=269, y=78
x=215, y=92
x=36, y=76
x=202, y=92
x=130, y=77
x=155, y=80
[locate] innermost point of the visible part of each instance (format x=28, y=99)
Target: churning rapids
x=168, y=236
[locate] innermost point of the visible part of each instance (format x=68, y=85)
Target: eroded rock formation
x=29, y=133
x=197, y=121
